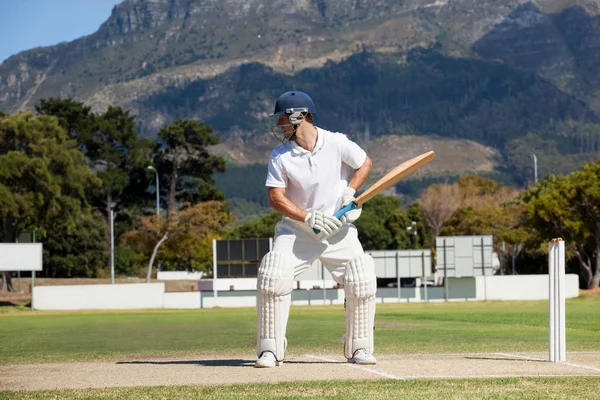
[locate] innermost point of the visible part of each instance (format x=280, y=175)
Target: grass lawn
x=463, y=389
x=32, y=337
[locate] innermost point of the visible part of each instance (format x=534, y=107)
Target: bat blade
x=392, y=177
x=388, y=180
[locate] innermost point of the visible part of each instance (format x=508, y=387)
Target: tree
x=184, y=161
x=503, y=222
x=128, y=260
x=261, y=227
x=75, y=117
x=78, y=251
x=186, y=232
x=111, y=146
x=569, y=207
x=382, y=224
x=43, y=176
x=115, y=152
x=438, y=203
x=415, y=213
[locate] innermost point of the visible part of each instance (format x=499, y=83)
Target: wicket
x=556, y=275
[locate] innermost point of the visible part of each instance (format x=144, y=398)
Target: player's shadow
x=206, y=363
x=214, y=363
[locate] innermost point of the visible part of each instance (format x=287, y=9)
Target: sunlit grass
x=463, y=389
x=35, y=336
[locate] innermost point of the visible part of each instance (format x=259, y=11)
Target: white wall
x=225, y=284
x=521, y=287
x=309, y=284
x=142, y=295
x=99, y=297
x=183, y=300
x=179, y=275
x=207, y=300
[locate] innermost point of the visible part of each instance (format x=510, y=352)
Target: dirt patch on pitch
x=222, y=371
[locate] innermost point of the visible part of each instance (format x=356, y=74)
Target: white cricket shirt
x=315, y=180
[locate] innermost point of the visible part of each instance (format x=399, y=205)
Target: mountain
x=515, y=76
x=563, y=48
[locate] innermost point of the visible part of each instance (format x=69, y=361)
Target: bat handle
x=338, y=214
x=351, y=206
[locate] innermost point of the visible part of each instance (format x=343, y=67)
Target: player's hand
x=352, y=215
x=322, y=222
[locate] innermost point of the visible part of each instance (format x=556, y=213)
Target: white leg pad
x=275, y=283
x=360, y=286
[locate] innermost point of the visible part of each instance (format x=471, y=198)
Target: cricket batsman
x=312, y=174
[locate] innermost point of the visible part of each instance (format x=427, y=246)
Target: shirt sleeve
x=276, y=176
x=352, y=154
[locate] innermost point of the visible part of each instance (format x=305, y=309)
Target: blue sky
x=25, y=24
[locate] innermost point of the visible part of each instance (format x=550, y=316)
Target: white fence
x=136, y=296
x=522, y=287
x=179, y=275
x=99, y=297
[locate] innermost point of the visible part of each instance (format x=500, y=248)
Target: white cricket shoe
x=267, y=360
x=361, y=356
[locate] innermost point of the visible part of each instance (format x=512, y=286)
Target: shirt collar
x=319, y=145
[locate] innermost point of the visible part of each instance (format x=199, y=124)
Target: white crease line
x=429, y=355
x=560, y=362
x=518, y=356
x=570, y=352
x=362, y=368
x=580, y=366
x=498, y=376
x=404, y=356
x=390, y=356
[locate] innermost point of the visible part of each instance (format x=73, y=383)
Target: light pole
x=535, y=174
x=112, y=246
x=157, y=190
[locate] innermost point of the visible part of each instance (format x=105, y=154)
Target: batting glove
x=352, y=215
x=323, y=222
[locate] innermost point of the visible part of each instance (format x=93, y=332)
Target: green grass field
x=38, y=337
x=463, y=389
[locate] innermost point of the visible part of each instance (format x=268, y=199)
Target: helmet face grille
x=296, y=110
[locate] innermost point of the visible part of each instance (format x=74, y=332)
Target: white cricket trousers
x=301, y=246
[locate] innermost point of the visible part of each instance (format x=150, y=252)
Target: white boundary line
x=357, y=366
x=561, y=362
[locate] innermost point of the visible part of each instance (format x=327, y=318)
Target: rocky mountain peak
x=137, y=15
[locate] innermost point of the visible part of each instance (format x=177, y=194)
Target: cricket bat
x=391, y=178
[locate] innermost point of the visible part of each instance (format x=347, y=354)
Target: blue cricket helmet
x=292, y=102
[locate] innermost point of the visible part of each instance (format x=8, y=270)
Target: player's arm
x=321, y=223
x=361, y=174
x=284, y=206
